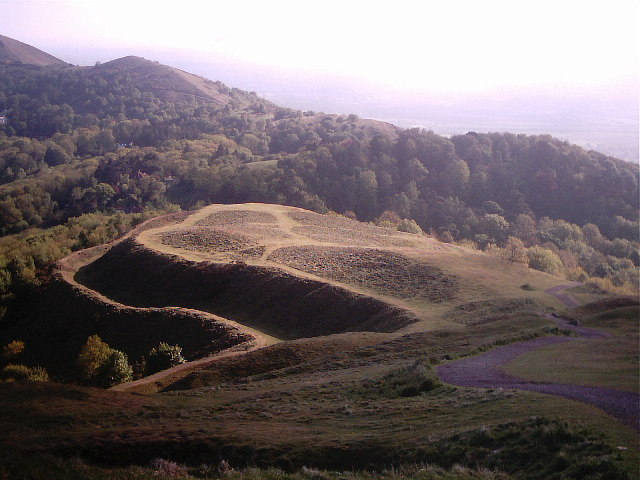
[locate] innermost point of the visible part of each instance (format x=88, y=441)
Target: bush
x=545, y=260
x=163, y=357
x=409, y=226
x=22, y=373
x=14, y=373
x=161, y=466
x=114, y=370
x=12, y=350
x=101, y=365
x=93, y=354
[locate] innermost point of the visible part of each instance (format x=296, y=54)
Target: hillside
x=302, y=291
x=13, y=51
x=315, y=278
x=169, y=84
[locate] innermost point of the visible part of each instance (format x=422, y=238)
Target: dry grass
x=383, y=271
x=485, y=311
x=207, y=240
x=233, y=217
x=341, y=230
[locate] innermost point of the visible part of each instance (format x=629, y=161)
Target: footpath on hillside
x=484, y=371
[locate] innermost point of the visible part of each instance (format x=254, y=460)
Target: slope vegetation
x=13, y=51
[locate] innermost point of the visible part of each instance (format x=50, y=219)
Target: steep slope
x=13, y=51
x=168, y=83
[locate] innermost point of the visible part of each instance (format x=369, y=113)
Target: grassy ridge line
x=69, y=266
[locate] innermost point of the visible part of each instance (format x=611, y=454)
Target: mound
x=266, y=361
x=486, y=311
x=269, y=299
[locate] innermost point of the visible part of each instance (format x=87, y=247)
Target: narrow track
x=484, y=371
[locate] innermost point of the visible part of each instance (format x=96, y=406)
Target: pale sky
x=432, y=45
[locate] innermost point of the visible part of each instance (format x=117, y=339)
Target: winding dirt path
x=484, y=371
x=566, y=299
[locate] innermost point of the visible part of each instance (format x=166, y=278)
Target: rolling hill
x=15, y=52
x=285, y=254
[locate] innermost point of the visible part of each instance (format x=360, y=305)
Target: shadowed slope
x=269, y=299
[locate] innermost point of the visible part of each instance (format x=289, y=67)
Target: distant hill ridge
x=167, y=82
x=13, y=51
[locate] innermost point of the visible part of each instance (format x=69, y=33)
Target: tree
x=495, y=226
x=94, y=353
x=163, y=357
x=101, y=365
x=515, y=251
x=56, y=155
x=545, y=260
x=114, y=370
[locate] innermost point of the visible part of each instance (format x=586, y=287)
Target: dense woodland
x=86, y=153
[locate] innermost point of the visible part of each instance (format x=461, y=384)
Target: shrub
x=545, y=260
x=163, y=357
x=21, y=373
x=12, y=350
x=409, y=226
x=407, y=381
x=14, y=373
x=114, y=370
x=167, y=467
x=93, y=354
x=101, y=365
x=38, y=374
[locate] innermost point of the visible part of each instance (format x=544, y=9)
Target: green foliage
x=537, y=449
x=101, y=365
x=28, y=466
x=163, y=357
x=545, y=260
x=96, y=141
x=17, y=373
x=92, y=356
x=114, y=370
x=409, y=226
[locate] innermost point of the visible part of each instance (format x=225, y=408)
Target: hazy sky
x=432, y=45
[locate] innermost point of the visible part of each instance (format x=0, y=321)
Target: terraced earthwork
x=386, y=272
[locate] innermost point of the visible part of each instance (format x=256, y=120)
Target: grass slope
x=362, y=402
